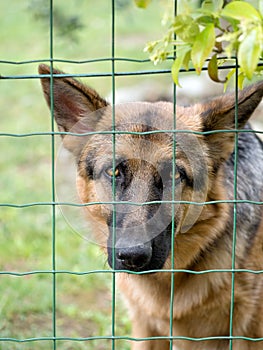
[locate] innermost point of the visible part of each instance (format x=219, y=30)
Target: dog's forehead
x=145, y=116
x=142, y=131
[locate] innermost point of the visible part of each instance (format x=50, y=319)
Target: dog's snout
x=134, y=258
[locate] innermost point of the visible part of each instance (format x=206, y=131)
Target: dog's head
x=140, y=174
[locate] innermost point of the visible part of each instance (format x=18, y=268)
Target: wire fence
x=55, y=340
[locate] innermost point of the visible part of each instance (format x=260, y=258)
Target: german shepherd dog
x=171, y=201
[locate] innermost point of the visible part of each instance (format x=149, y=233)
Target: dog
x=164, y=199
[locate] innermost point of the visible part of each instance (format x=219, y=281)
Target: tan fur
x=201, y=306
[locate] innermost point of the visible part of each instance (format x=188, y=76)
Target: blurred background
x=82, y=31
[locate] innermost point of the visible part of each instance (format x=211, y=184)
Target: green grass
x=83, y=302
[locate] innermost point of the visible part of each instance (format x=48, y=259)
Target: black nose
x=134, y=258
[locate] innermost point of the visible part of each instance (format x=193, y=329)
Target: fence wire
x=53, y=203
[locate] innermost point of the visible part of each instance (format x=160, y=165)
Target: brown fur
x=201, y=305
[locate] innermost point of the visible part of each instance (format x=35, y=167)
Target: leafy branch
x=209, y=33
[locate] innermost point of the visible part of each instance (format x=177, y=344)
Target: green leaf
x=187, y=59
x=202, y=47
x=249, y=52
x=204, y=20
x=240, y=10
x=190, y=32
x=212, y=5
x=180, y=21
x=142, y=3
x=213, y=70
x=240, y=82
x=178, y=62
x=185, y=28
x=228, y=78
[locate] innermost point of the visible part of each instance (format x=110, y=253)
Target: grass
x=83, y=306
x=83, y=301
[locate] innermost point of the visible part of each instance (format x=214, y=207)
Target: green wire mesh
x=54, y=272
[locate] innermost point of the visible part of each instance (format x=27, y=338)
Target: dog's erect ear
x=72, y=102
x=219, y=114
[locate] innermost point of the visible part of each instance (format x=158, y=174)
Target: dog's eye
x=177, y=176
x=169, y=176
x=112, y=172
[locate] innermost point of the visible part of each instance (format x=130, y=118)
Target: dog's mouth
x=145, y=256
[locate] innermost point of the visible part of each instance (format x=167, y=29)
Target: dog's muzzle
x=141, y=256
x=133, y=258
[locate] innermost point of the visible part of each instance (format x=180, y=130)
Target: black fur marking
x=160, y=248
x=90, y=163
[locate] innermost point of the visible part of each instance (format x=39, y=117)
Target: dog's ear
x=73, y=101
x=220, y=114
